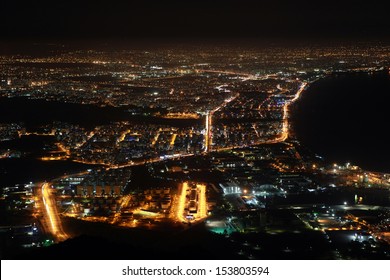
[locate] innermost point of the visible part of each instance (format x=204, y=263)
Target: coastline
x=307, y=131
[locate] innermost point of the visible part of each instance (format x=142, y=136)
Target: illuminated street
x=285, y=124
x=51, y=216
x=181, y=202
x=202, y=203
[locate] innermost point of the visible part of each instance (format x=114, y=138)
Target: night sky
x=110, y=19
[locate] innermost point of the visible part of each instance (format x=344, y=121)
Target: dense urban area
x=181, y=144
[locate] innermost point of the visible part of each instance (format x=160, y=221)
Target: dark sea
x=346, y=118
